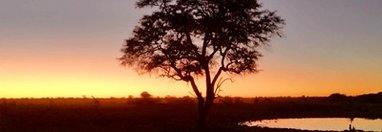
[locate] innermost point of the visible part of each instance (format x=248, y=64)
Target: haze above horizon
x=55, y=48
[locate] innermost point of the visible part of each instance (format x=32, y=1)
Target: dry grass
x=166, y=114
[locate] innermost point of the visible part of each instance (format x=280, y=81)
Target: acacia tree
x=187, y=39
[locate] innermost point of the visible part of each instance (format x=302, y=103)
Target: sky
x=69, y=48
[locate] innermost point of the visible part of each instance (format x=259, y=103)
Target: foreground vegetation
x=172, y=114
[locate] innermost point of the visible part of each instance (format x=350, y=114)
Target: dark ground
x=168, y=114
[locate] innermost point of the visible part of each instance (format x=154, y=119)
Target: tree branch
x=219, y=84
x=196, y=90
x=217, y=76
x=212, y=54
x=191, y=43
x=222, y=66
x=205, y=43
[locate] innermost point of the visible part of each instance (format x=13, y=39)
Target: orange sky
x=54, y=48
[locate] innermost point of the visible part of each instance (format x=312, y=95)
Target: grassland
x=170, y=114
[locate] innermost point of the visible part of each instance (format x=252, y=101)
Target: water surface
x=332, y=124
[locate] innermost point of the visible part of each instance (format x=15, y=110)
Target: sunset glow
x=56, y=48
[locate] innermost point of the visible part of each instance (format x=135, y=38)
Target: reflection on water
x=333, y=124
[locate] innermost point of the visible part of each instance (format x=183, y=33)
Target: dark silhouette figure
x=186, y=39
x=351, y=128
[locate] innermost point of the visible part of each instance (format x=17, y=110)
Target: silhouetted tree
x=337, y=96
x=145, y=95
x=185, y=39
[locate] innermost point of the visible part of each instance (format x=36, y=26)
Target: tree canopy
x=187, y=37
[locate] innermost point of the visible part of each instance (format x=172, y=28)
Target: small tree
x=145, y=95
x=186, y=39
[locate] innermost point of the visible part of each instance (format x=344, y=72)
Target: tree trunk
x=203, y=110
x=204, y=104
x=202, y=116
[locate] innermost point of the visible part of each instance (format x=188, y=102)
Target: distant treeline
x=365, y=98
x=148, y=98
